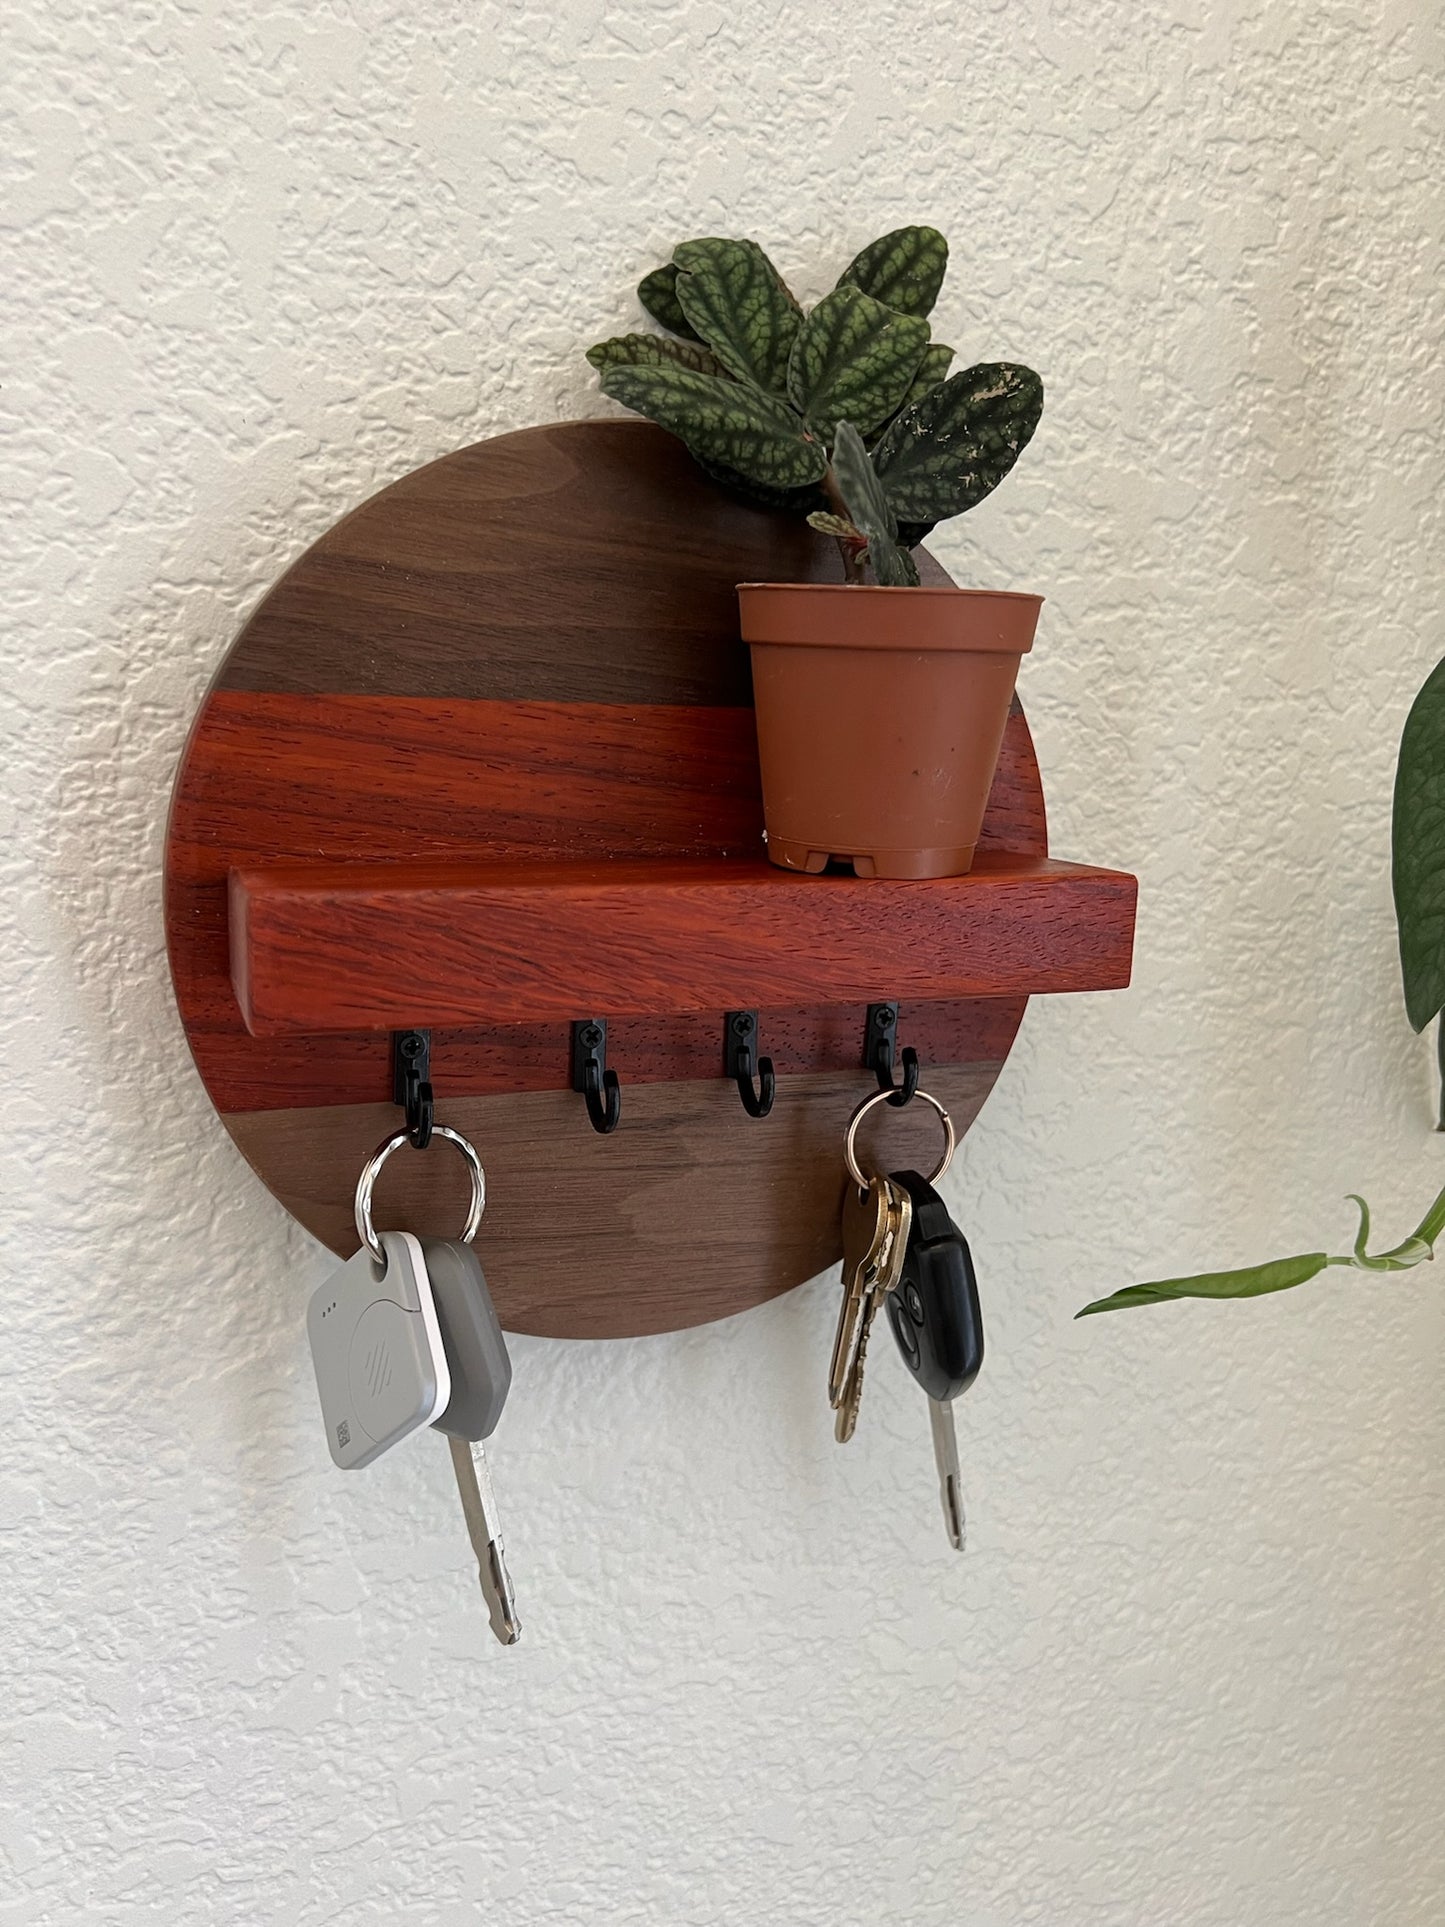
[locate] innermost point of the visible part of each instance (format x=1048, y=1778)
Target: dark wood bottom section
x=690, y=1212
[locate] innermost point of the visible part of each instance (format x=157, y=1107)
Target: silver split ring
x=881, y=1097
x=371, y=1171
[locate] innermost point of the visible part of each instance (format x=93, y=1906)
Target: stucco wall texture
x=263, y=259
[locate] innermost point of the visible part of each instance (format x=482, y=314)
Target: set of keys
x=405, y=1335
x=903, y=1250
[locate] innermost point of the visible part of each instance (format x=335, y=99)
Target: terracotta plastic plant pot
x=880, y=717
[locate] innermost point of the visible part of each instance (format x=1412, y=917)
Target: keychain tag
x=381, y=1366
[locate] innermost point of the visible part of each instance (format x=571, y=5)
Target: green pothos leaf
x=729, y=423
x=1419, y=851
x=1252, y=1282
x=904, y=269
x=855, y=359
x=658, y=294
x=1281, y=1273
x=736, y=301
x=951, y=448
x=653, y=351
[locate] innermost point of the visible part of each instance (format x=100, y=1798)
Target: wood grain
x=245, y=1073
x=691, y=1211
x=591, y=562
x=352, y=947
x=529, y=651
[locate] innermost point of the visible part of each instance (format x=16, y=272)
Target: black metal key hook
x=880, y=1041
x=411, y=1083
x=590, y=1075
x=742, y=1063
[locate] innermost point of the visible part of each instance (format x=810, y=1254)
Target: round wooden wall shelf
x=521, y=657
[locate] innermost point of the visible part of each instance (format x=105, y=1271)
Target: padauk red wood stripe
x=351, y=947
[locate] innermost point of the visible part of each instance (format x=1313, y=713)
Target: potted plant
x=880, y=704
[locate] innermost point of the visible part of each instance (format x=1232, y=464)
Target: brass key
x=886, y=1272
x=865, y=1230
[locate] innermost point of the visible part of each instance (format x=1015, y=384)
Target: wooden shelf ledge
x=346, y=947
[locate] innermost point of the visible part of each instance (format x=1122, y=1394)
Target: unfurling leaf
x=839, y=525
x=867, y=504
x=724, y=422
x=653, y=351
x=658, y=294
x=735, y=301
x=903, y=270
x=859, y=485
x=932, y=370
x=1419, y=851
x=1279, y=1275
x=948, y=451
x=854, y=359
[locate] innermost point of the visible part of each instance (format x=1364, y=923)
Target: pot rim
x=877, y=588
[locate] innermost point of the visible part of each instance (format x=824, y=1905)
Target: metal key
x=937, y=1322
x=484, y=1529
x=481, y=1378
x=945, y=1457
x=886, y=1273
x=865, y=1233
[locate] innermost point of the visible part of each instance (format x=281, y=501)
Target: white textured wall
x=264, y=259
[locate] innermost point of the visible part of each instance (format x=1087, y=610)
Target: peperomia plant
x=845, y=414
x=1418, y=847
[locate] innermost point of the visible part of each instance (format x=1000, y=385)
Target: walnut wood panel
x=244, y=1073
x=350, y=947
x=530, y=650
x=691, y=1211
x=591, y=562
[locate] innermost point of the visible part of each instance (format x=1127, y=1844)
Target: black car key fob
x=934, y=1309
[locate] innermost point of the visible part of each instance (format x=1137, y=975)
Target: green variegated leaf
x=839, y=525
x=653, y=351
x=1419, y=851
x=736, y=302
x=725, y=422
x=855, y=359
x=866, y=503
x=948, y=451
x=932, y=370
x=859, y=485
x=783, y=501
x=1279, y=1275
x=658, y=294
x=904, y=269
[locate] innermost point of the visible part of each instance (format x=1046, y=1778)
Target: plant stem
x=1430, y=1227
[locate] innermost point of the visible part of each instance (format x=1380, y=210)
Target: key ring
x=882, y=1097
x=371, y=1171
